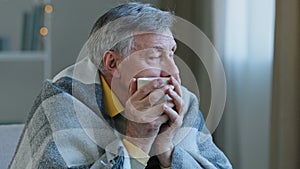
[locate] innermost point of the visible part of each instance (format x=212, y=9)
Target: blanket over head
x=69, y=128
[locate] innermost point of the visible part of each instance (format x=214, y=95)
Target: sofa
x=9, y=137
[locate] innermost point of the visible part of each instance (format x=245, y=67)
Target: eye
x=155, y=55
x=174, y=48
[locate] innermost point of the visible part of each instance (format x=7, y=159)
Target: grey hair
x=114, y=30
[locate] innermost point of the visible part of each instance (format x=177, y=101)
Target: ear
x=111, y=61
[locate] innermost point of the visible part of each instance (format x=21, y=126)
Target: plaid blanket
x=68, y=128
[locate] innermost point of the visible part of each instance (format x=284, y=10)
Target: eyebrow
x=161, y=48
x=158, y=47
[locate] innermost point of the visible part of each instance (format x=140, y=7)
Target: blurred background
x=258, y=43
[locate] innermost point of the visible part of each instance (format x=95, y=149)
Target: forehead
x=164, y=40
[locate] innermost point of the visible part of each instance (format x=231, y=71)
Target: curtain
x=285, y=118
x=243, y=33
x=246, y=40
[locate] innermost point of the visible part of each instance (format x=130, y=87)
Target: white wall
x=72, y=21
x=19, y=81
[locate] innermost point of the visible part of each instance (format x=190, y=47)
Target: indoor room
x=240, y=58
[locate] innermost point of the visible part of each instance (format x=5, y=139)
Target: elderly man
x=95, y=114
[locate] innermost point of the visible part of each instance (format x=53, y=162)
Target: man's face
x=151, y=56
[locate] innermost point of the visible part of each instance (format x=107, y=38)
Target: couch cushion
x=9, y=137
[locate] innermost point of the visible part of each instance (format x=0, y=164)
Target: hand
x=163, y=145
x=144, y=113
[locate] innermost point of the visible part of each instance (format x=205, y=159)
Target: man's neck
x=116, y=89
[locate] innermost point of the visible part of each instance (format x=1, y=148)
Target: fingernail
x=171, y=91
x=165, y=107
x=172, y=87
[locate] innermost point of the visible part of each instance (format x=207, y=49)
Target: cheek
x=134, y=67
x=128, y=67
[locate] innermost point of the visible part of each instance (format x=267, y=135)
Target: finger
x=177, y=100
x=172, y=114
x=154, y=112
x=162, y=119
x=132, y=86
x=147, y=88
x=156, y=96
x=176, y=84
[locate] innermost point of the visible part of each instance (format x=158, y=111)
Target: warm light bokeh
x=48, y=8
x=44, y=31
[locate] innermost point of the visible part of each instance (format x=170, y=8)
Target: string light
x=44, y=31
x=48, y=8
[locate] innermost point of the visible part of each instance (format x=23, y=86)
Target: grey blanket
x=68, y=128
